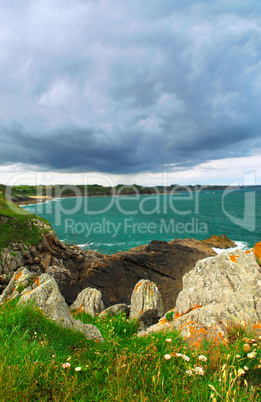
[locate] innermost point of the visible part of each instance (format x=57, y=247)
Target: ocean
x=112, y=224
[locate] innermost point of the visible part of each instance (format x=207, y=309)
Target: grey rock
x=49, y=299
x=219, y=291
x=89, y=301
x=148, y=318
x=115, y=309
x=146, y=296
x=23, y=278
x=227, y=287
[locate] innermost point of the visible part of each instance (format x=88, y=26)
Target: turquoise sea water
x=111, y=224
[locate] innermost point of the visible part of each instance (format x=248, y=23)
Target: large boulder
x=88, y=301
x=49, y=299
x=219, y=291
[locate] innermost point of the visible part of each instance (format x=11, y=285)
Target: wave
x=240, y=245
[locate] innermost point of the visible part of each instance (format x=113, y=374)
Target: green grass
x=18, y=225
x=123, y=368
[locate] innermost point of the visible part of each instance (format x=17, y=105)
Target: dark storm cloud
x=122, y=87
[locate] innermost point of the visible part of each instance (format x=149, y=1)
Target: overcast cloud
x=129, y=86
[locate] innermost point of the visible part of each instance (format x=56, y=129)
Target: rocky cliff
x=217, y=293
x=115, y=276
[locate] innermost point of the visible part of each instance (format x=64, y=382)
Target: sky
x=141, y=91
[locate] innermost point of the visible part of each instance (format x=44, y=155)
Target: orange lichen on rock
x=219, y=337
x=233, y=258
x=162, y=321
x=27, y=293
x=248, y=251
x=137, y=286
x=141, y=311
x=186, y=323
x=177, y=315
x=196, y=335
x=80, y=309
x=18, y=275
x=196, y=306
x=257, y=250
x=37, y=282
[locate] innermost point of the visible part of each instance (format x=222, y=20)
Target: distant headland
x=25, y=194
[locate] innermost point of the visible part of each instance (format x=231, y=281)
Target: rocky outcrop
x=219, y=291
x=115, y=276
x=39, y=250
x=88, y=301
x=222, y=242
x=47, y=297
x=160, y=262
x=50, y=256
x=44, y=292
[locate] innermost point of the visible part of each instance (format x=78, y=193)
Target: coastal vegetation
x=17, y=225
x=41, y=361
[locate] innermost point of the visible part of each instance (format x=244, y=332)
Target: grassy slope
x=123, y=368
x=17, y=225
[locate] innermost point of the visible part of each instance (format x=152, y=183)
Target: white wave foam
x=240, y=245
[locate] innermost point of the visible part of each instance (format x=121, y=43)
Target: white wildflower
x=238, y=356
x=184, y=357
x=168, y=340
x=252, y=354
x=167, y=357
x=246, y=368
x=189, y=372
x=240, y=372
x=66, y=365
x=199, y=371
x=202, y=358
x=78, y=368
